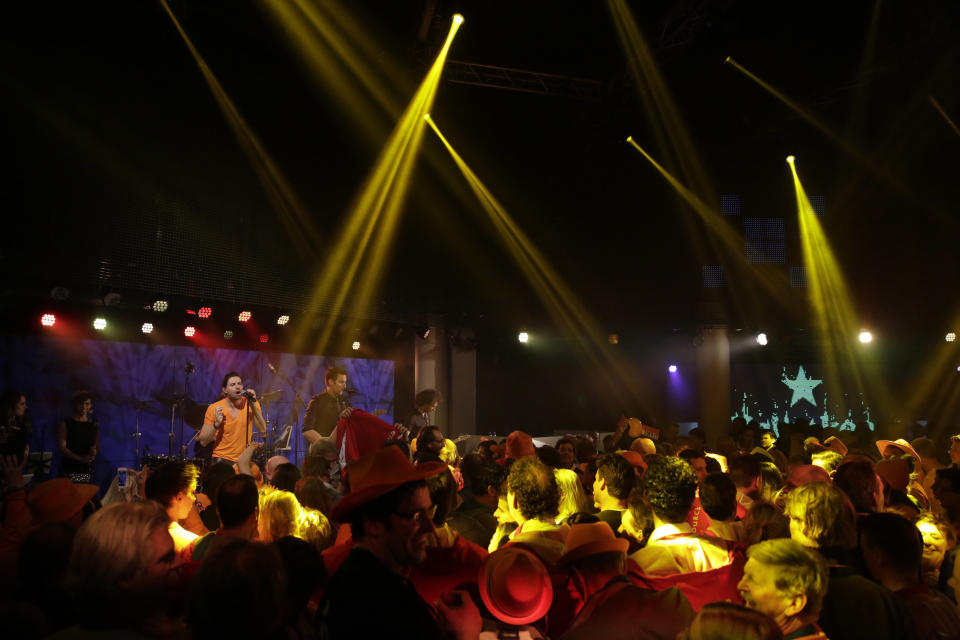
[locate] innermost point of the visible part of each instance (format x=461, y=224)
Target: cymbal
x=270, y=396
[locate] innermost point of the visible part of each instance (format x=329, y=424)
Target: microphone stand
x=296, y=412
x=189, y=368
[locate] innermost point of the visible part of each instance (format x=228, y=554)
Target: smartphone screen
x=121, y=477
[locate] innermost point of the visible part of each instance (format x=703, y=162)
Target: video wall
x=136, y=385
x=773, y=395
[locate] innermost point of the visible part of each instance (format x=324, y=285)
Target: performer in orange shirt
x=230, y=421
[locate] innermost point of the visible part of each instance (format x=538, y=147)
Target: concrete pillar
x=713, y=377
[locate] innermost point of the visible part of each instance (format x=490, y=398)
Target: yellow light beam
x=936, y=105
x=371, y=221
x=774, y=282
x=836, y=322
x=549, y=285
x=796, y=108
x=292, y=213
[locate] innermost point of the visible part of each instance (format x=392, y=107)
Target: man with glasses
x=390, y=517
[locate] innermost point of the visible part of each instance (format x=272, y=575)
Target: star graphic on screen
x=802, y=387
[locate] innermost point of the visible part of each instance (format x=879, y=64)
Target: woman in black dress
x=14, y=425
x=79, y=438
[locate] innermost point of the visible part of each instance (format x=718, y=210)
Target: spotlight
x=524, y=337
x=190, y=331
x=613, y=338
x=672, y=368
x=865, y=336
x=100, y=324
x=48, y=319
x=356, y=345
x=264, y=338
x=147, y=328
x=950, y=337
x=762, y=339
x=205, y=312
x=282, y=320
x=457, y=19
x=790, y=159
x=423, y=331
x=228, y=335
x=244, y=316
x=160, y=306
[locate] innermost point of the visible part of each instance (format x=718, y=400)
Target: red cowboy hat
x=515, y=585
x=377, y=474
x=58, y=500
x=590, y=538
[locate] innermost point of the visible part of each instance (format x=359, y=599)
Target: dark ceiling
x=121, y=173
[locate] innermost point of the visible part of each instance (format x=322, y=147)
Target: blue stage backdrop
x=132, y=381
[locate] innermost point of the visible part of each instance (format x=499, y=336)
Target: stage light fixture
x=282, y=320
x=524, y=337
x=356, y=345
x=48, y=319
x=950, y=337
x=160, y=306
x=190, y=331
x=228, y=335
x=100, y=324
x=790, y=159
x=457, y=19
x=613, y=338
x=672, y=368
x=865, y=337
x=60, y=293
x=244, y=316
x=423, y=331
x=264, y=338
x=762, y=339
x=205, y=312
x=147, y=328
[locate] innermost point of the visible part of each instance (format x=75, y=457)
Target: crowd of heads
x=750, y=536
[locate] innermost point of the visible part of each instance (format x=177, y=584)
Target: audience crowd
x=807, y=533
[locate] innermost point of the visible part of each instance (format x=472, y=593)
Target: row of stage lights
x=205, y=312
x=865, y=337
x=190, y=331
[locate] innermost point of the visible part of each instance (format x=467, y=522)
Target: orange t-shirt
x=231, y=438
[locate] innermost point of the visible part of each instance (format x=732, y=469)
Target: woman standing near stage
x=79, y=438
x=14, y=425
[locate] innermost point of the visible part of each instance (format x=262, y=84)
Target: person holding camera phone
x=229, y=422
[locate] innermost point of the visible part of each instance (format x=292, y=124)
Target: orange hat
x=634, y=458
x=590, y=538
x=58, y=500
x=515, y=585
x=895, y=472
x=643, y=446
x=899, y=443
x=520, y=445
x=835, y=443
x=377, y=474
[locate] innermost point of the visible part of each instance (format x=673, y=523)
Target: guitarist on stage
x=326, y=408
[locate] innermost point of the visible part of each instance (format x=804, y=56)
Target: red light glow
x=264, y=338
x=244, y=316
x=205, y=312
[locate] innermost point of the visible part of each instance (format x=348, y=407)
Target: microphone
x=273, y=368
x=248, y=395
x=350, y=390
